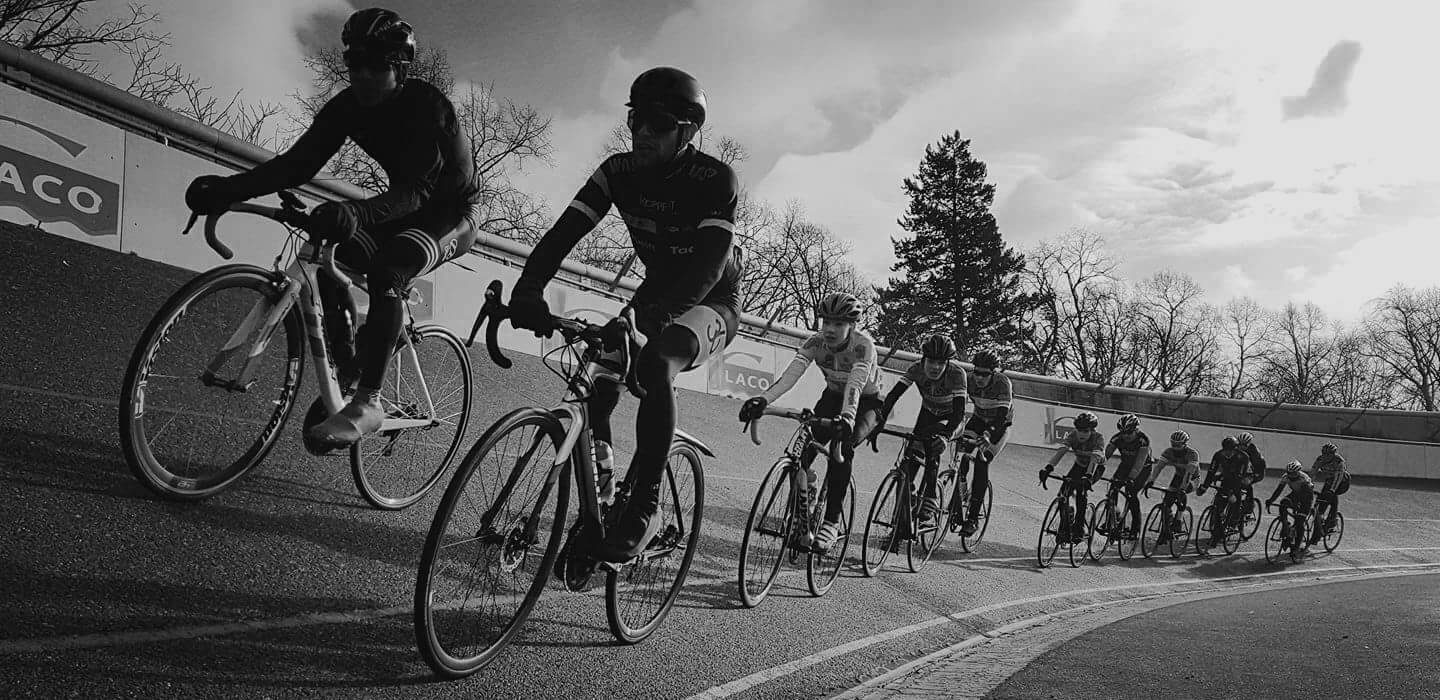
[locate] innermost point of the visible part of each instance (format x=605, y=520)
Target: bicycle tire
x=1274, y=543
x=393, y=479
x=945, y=490
x=1048, y=544
x=1202, y=531
x=159, y=467
x=762, y=527
x=822, y=568
x=1334, y=535
x=1129, y=532
x=637, y=597
x=1252, y=525
x=1155, y=525
x=1300, y=544
x=1102, y=524
x=880, y=525
x=969, y=544
x=505, y=538
x=1075, y=561
x=1187, y=518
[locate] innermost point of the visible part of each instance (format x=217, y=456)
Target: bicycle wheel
x=396, y=468
x=762, y=547
x=982, y=521
x=1274, y=543
x=1202, y=531
x=1333, y=535
x=187, y=429
x=1180, y=536
x=880, y=529
x=1102, y=524
x=638, y=596
x=483, y=566
x=822, y=568
x=931, y=539
x=1253, y=515
x=1155, y=527
x=1077, y=559
x=1050, y=535
x=1128, y=532
x=1299, y=541
x=1234, y=531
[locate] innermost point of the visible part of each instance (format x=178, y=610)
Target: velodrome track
x=290, y=585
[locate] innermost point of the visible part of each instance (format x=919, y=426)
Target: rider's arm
x=1278, y=488
x=893, y=397
x=860, y=374
x=1008, y=397
x=957, y=414
x=428, y=147
x=713, y=240
x=298, y=164
x=796, y=369
x=590, y=205
x=1057, y=456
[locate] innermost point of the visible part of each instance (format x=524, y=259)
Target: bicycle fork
x=266, y=316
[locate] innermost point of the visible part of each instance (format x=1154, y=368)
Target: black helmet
x=669, y=90
x=1228, y=443
x=985, y=359
x=378, y=33
x=938, y=347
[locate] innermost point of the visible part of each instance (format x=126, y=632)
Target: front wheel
x=1129, y=532
x=982, y=521
x=1102, y=530
x=429, y=380
x=1203, y=531
x=1234, y=529
x=767, y=530
x=639, y=595
x=210, y=383
x=1275, y=543
x=823, y=567
x=1333, y=535
x=1051, y=535
x=491, y=544
x=1254, y=513
x=1180, y=531
x=882, y=529
x=946, y=515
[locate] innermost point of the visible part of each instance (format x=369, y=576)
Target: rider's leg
x=601, y=404
x=998, y=437
x=838, y=476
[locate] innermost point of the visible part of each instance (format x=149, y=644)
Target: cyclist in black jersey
x=426, y=217
x=679, y=205
x=941, y=383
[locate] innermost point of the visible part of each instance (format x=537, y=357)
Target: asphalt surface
x=290, y=585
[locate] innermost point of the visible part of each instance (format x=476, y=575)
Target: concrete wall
x=83, y=160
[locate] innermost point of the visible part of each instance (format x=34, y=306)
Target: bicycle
x=1232, y=532
x=178, y=383
x=494, y=545
x=1329, y=536
x=955, y=510
x=894, y=519
x=770, y=526
x=1107, y=522
x=1287, y=534
x=1164, y=527
x=1059, y=522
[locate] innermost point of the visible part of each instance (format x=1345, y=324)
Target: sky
x=1281, y=150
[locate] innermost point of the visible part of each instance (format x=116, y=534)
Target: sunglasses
x=366, y=62
x=657, y=121
x=983, y=373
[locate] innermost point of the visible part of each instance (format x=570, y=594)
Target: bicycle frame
x=300, y=286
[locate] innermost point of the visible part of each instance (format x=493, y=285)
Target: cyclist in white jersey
x=847, y=357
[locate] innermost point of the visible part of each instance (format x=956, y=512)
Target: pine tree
x=957, y=274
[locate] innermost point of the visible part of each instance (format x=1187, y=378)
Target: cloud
x=1326, y=96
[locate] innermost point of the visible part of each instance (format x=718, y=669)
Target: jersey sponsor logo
x=702, y=172
x=51, y=192
x=655, y=205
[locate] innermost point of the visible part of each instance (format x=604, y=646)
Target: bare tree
x=1404, y=337
x=1176, y=331
x=1297, y=370
x=58, y=30
x=1245, y=327
x=792, y=265
x=1075, y=276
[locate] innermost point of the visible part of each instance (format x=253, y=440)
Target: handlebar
x=835, y=451
x=291, y=212
x=1066, y=479
x=611, y=335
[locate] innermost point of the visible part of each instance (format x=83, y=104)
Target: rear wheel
x=1335, y=534
x=429, y=379
x=822, y=568
x=189, y=429
x=639, y=595
x=762, y=547
x=491, y=544
x=881, y=527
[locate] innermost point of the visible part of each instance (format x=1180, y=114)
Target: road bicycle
x=1168, y=524
x=894, y=521
x=954, y=488
x=216, y=373
x=1058, y=527
x=497, y=533
x=1109, y=526
x=1287, y=534
x=786, y=501
x=1233, y=529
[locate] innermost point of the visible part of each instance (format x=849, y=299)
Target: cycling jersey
x=1328, y=466
x=1128, y=445
x=1087, y=450
x=1229, y=469
x=1186, y=462
x=414, y=137
x=937, y=395
x=680, y=220
x=1257, y=462
x=853, y=369
x=994, y=401
x=1300, y=484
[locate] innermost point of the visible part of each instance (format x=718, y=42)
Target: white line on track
x=741, y=685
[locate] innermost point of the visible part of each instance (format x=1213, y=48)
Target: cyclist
x=1232, y=468
x=427, y=216
x=1302, y=493
x=1186, y=463
x=994, y=411
x=1257, y=466
x=679, y=206
x=1086, y=442
x=847, y=357
x=1134, y=447
x=942, y=405
x=1329, y=467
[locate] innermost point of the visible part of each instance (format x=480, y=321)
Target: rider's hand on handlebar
x=1269, y=506
x=1045, y=472
x=753, y=408
x=334, y=222
x=209, y=194
x=844, y=429
x=528, y=309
